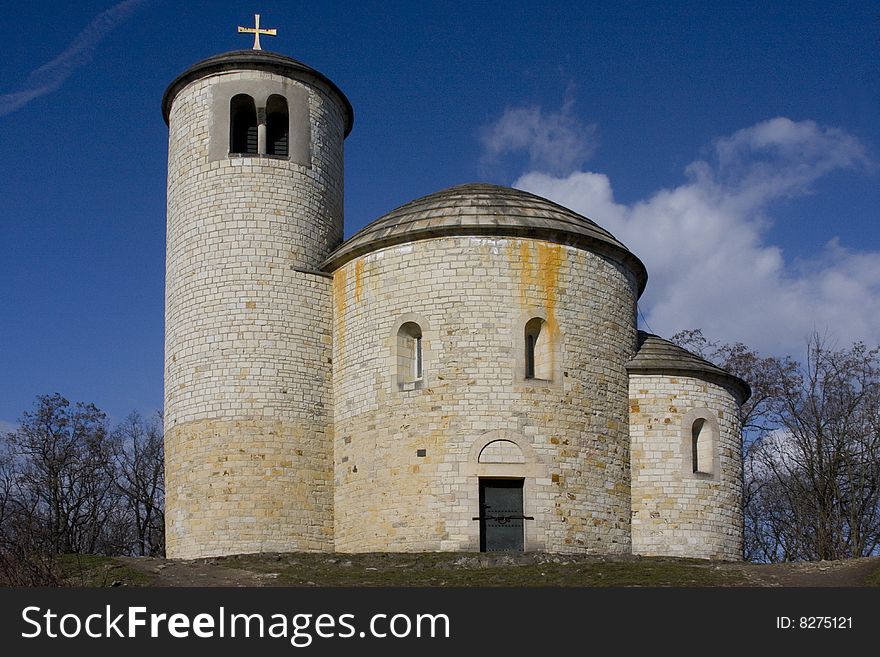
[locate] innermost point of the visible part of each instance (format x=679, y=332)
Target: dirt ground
x=847, y=572
x=470, y=569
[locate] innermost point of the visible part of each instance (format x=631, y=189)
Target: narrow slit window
x=243, y=125
x=409, y=355
x=538, y=350
x=277, y=126
x=701, y=447
x=530, y=356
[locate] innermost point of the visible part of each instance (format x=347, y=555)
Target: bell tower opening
x=243, y=125
x=277, y=126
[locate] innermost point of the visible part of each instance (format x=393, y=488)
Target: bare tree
x=27, y=556
x=70, y=485
x=824, y=463
x=811, y=449
x=61, y=481
x=140, y=466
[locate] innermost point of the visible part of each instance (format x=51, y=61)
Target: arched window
x=701, y=447
x=277, y=126
x=242, y=125
x=539, y=352
x=409, y=354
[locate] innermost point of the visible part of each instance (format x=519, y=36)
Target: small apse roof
x=656, y=355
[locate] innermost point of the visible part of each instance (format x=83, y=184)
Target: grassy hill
x=458, y=569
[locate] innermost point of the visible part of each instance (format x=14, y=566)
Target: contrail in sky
x=51, y=76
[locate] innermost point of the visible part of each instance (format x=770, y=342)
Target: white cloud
x=776, y=158
x=52, y=75
x=777, y=452
x=555, y=142
x=704, y=242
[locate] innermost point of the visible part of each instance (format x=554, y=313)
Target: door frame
x=481, y=481
x=534, y=473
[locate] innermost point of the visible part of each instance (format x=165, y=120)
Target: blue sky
x=733, y=146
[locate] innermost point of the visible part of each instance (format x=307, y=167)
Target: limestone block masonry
x=248, y=398
x=408, y=461
x=677, y=511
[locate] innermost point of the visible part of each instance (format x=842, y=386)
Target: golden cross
x=256, y=31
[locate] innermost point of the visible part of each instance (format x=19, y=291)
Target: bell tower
x=255, y=203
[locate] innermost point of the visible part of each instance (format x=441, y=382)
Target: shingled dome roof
x=490, y=210
x=656, y=355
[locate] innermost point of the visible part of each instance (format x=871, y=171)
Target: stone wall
x=677, y=511
x=247, y=338
x=407, y=457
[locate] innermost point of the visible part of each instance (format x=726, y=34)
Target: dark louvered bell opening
x=279, y=146
x=251, y=139
x=277, y=126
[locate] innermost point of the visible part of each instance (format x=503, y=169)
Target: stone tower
x=255, y=205
x=522, y=316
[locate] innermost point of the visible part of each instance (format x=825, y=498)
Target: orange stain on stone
x=550, y=258
x=339, y=299
x=358, y=278
x=527, y=272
